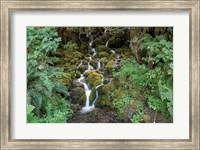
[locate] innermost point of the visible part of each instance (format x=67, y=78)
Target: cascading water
x=88, y=107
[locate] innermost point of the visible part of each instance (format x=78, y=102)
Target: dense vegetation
x=129, y=72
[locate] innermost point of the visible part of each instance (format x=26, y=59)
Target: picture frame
x=8, y=7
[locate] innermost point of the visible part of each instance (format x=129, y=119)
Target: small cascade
x=98, y=65
x=88, y=107
x=80, y=64
x=113, y=51
x=107, y=43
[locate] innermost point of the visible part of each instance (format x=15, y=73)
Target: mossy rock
x=72, y=47
x=78, y=55
x=109, y=66
x=84, y=62
x=106, y=88
x=115, y=42
x=103, y=54
x=92, y=95
x=93, y=63
x=66, y=79
x=103, y=101
x=97, y=42
x=78, y=96
x=103, y=48
x=78, y=74
x=103, y=61
x=146, y=118
x=94, y=79
x=112, y=56
x=74, y=61
x=82, y=68
x=89, y=72
x=84, y=48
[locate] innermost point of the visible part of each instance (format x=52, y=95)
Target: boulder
x=78, y=96
x=103, y=48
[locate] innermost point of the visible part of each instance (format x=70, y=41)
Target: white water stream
x=88, y=107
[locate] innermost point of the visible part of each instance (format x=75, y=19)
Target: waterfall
x=107, y=43
x=80, y=64
x=88, y=107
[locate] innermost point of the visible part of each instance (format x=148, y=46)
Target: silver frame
x=8, y=6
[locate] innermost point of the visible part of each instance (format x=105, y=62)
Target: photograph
x=99, y=74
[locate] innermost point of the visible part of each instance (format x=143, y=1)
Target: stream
x=90, y=107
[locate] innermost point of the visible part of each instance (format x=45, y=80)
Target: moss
x=135, y=104
x=82, y=68
x=84, y=48
x=92, y=95
x=97, y=42
x=78, y=55
x=103, y=54
x=109, y=66
x=94, y=79
x=123, y=116
x=93, y=63
x=84, y=62
x=72, y=47
x=112, y=56
x=66, y=79
x=89, y=72
x=78, y=95
x=103, y=48
x=103, y=59
x=120, y=93
x=146, y=118
x=103, y=101
x=78, y=74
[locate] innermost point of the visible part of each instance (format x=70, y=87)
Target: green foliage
x=42, y=78
x=123, y=103
x=138, y=117
x=155, y=83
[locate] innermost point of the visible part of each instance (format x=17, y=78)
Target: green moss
x=94, y=79
x=92, y=95
x=93, y=63
x=146, y=118
x=82, y=68
x=78, y=74
x=103, y=101
x=84, y=62
x=78, y=55
x=103, y=54
x=109, y=64
x=78, y=96
x=66, y=79
x=97, y=42
x=103, y=48
x=103, y=59
x=84, y=48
